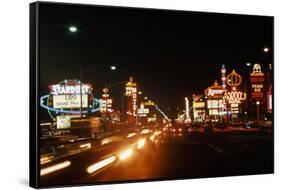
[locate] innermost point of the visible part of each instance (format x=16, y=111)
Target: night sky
x=170, y=54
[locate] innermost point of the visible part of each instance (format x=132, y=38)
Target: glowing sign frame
x=257, y=80
x=215, y=91
x=233, y=79
x=42, y=98
x=45, y=99
x=105, y=104
x=235, y=97
x=70, y=101
x=269, y=100
x=132, y=92
x=198, y=105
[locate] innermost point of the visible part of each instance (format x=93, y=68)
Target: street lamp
x=265, y=49
x=248, y=64
x=72, y=29
x=145, y=98
x=113, y=67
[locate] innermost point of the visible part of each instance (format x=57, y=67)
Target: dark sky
x=171, y=54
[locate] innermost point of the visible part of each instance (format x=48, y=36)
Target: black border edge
x=273, y=95
x=33, y=96
x=34, y=99
x=142, y=8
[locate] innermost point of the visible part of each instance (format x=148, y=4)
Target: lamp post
x=122, y=94
x=74, y=29
x=112, y=68
x=247, y=90
x=80, y=73
x=258, y=111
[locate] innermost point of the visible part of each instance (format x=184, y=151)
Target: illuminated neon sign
x=106, y=104
x=257, y=70
x=269, y=99
x=65, y=99
x=70, y=101
x=143, y=111
x=44, y=100
x=233, y=79
x=215, y=104
x=149, y=103
x=132, y=92
x=223, y=78
x=215, y=91
x=198, y=104
x=69, y=88
x=257, y=83
x=235, y=97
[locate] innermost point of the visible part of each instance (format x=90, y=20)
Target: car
x=251, y=125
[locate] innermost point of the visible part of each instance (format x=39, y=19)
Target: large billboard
x=215, y=91
x=68, y=97
x=70, y=101
x=198, y=104
x=215, y=104
x=257, y=84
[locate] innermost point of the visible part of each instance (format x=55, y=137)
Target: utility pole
x=258, y=112
x=81, y=107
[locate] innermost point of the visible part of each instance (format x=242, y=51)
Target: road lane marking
x=215, y=148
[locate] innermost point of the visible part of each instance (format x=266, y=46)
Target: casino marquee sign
x=65, y=97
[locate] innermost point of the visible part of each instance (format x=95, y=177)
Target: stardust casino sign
x=69, y=88
x=65, y=98
x=68, y=95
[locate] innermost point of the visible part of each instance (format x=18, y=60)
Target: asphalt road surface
x=173, y=156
